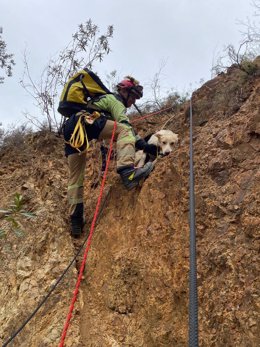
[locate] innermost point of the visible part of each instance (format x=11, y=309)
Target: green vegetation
x=6, y=59
x=87, y=47
x=13, y=214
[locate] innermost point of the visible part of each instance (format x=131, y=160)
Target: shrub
x=12, y=214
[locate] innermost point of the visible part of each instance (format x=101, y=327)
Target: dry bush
x=248, y=50
x=14, y=136
x=243, y=59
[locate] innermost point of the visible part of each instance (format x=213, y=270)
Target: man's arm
x=111, y=104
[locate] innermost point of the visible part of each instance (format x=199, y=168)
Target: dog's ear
x=158, y=135
x=154, y=140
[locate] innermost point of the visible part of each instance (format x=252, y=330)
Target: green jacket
x=112, y=105
x=114, y=109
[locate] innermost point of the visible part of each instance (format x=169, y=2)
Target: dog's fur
x=164, y=139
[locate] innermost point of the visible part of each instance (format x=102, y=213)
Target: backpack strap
x=76, y=79
x=97, y=80
x=85, y=89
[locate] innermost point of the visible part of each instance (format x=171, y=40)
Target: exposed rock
x=135, y=286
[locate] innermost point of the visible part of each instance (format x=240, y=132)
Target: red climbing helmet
x=132, y=85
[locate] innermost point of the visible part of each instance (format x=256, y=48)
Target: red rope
x=75, y=293
x=151, y=114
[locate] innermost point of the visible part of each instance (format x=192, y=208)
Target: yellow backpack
x=79, y=90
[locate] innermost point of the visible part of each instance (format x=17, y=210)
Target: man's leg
x=125, y=142
x=77, y=164
x=126, y=154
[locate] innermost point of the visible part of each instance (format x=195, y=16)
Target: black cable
x=138, y=109
x=12, y=337
x=193, y=293
x=44, y=299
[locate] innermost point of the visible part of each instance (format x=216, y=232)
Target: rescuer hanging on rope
x=95, y=120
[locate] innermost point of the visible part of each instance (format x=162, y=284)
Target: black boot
x=131, y=176
x=77, y=221
x=77, y=225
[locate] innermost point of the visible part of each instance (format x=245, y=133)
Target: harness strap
x=79, y=136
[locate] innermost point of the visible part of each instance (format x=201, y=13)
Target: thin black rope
x=138, y=109
x=193, y=292
x=12, y=337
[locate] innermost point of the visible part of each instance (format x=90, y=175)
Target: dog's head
x=165, y=140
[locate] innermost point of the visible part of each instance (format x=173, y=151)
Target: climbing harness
x=79, y=137
x=193, y=292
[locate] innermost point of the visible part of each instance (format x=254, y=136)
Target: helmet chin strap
x=125, y=100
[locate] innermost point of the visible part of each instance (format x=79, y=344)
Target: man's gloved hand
x=143, y=145
x=151, y=149
x=140, y=144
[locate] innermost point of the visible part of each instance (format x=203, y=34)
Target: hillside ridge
x=135, y=287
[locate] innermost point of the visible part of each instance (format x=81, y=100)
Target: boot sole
x=135, y=183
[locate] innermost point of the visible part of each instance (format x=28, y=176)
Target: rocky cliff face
x=135, y=288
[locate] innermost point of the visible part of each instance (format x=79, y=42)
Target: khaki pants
x=125, y=145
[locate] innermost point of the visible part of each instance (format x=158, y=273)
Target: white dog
x=165, y=140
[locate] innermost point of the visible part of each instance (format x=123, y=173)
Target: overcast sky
x=186, y=34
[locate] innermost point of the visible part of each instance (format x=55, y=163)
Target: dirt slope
x=135, y=288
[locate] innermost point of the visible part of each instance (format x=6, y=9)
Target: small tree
x=6, y=59
x=252, y=32
x=111, y=80
x=248, y=49
x=241, y=57
x=160, y=97
x=13, y=215
x=85, y=48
